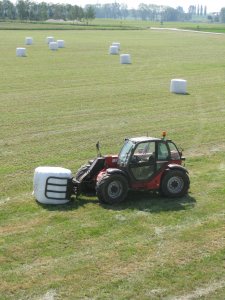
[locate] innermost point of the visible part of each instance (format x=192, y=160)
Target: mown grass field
x=109, y=24
x=54, y=107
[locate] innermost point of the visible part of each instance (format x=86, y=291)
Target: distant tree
x=180, y=13
x=71, y=13
x=143, y=11
x=210, y=18
x=205, y=10
x=216, y=17
x=192, y=10
x=171, y=15
x=155, y=12
x=56, y=11
x=98, y=10
x=134, y=13
x=198, y=10
x=8, y=10
x=1, y=10
x=116, y=10
x=89, y=13
x=222, y=15
x=201, y=10
x=43, y=11
x=22, y=7
x=107, y=11
x=34, y=12
x=124, y=11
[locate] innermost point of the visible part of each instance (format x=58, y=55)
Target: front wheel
x=112, y=188
x=175, y=184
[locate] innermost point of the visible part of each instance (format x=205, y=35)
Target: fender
x=176, y=167
x=116, y=171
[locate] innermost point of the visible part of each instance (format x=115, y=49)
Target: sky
x=212, y=5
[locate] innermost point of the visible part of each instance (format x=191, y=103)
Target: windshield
x=125, y=153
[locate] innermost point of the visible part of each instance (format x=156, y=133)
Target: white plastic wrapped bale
x=116, y=44
x=53, y=46
x=60, y=43
x=49, y=39
x=113, y=50
x=28, y=41
x=125, y=59
x=52, y=185
x=20, y=51
x=178, y=86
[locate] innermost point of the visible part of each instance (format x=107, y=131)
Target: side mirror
x=98, y=149
x=180, y=150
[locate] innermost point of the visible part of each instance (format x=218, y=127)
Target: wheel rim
x=115, y=189
x=175, y=185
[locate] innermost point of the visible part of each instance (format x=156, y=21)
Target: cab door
x=162, y=155
x=142, y=164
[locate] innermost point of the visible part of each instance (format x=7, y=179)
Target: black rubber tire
x=175, y=184
x=112, y=188
x=86, y=187
x=81, y=171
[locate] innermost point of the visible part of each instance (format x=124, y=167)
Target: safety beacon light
x=164, y=135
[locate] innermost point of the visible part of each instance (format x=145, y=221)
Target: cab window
x=163, y=153
x=144, y=150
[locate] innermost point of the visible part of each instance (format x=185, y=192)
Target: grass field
x=54, y=107
x=110, y=24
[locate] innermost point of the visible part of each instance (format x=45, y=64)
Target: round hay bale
x=28, y=41
x=60, y=43
x=53, y=46
x=113, y=50
x=51, y=185
x=125, y=59
x=21, y=52
x=116, y=44
x=178, y=86
x=49, y=39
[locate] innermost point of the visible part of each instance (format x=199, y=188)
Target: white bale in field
x=53, y=46
x=49, y=39
x=125, y=59
x=51, y=185
x=113, y=50
x=28, y=40
x=116, y=44
x=60, y=43
x=178, y=86
x=20, y=51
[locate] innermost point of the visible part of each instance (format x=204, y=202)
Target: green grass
x=110, y=24
x=97, y=24
x=54, y=107
x=199, y=26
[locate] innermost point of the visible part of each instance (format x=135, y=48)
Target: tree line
x=27, y=10
x=151, y=12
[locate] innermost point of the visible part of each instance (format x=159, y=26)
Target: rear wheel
x=112, y=188
x=175, y=184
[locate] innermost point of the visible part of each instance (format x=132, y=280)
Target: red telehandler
x=143, y=163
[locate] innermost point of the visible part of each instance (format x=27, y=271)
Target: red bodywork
x=153, y=184
x=111, y=161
